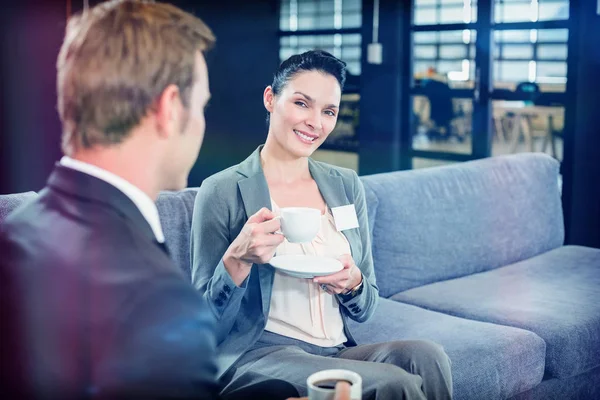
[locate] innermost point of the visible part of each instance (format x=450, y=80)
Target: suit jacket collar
x=91, y=189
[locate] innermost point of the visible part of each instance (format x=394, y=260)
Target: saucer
x=304, y=266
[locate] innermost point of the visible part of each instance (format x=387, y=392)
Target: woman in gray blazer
x=235, y=235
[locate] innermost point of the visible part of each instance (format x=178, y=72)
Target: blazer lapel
x=331, y=186
x=255, y=195
x=333, y=191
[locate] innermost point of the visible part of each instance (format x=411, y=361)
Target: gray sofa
x=470, y=256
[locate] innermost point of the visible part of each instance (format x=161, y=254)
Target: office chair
x=442, y=113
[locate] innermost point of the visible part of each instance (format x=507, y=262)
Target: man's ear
x=168, y=111
x=269, y=98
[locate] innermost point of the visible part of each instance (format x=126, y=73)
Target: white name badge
x=345, y=217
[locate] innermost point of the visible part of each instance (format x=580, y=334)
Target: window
x=344, y=46
x=320, y=14
x=528, y=67
x=529, y=75
x=449, y=54
x=308, y=17
x=531, y=55
x=435, y=12
x=530, y=10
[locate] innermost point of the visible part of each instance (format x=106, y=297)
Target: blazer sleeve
x=210, y=238
x=361, y=305
x=166, y=346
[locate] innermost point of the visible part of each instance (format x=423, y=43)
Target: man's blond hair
x=116, y=60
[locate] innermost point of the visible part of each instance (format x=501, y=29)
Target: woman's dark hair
x=313, y=60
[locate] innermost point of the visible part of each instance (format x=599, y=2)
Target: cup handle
x=279, y=232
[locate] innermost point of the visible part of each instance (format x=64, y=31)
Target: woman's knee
x=387, y=381
x=413, y=354
x=426, y=349
x=399, y=384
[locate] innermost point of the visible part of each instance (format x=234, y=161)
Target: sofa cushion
x=441, y=223
x=9, y=202
x=488, y=361
x=554, y=295
x=175, y=212
x=584, y=386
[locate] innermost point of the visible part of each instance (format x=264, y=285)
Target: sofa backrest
x=9, y=202
x=441, y=223
x=175, y=212
x=427, y=225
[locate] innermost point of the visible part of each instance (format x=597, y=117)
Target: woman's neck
x=279, y=166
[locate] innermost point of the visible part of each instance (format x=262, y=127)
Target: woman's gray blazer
x=223, y=204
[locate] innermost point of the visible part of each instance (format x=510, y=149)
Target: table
x=523, y=115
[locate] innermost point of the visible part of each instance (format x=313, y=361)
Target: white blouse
x=300, y=309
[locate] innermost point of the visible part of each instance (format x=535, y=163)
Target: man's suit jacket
x=223, y=204
x=101, y=309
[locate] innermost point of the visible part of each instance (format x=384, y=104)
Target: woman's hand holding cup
x=256, y=244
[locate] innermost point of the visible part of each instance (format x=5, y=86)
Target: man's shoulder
x=67, y=233
x=22, y=213
x=53, y=216
x=31, y=219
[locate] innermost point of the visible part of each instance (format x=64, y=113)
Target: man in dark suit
x=91, y=305
x=96, y=306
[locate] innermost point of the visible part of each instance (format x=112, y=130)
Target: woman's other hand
x=343, y=281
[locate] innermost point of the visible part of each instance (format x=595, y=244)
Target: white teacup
x=300, y=224
x=321, y=385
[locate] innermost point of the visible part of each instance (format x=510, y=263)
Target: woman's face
x=305, y=111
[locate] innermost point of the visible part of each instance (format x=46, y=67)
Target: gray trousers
x=408, y=369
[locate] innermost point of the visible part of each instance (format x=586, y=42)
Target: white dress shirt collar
x=142, y=201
